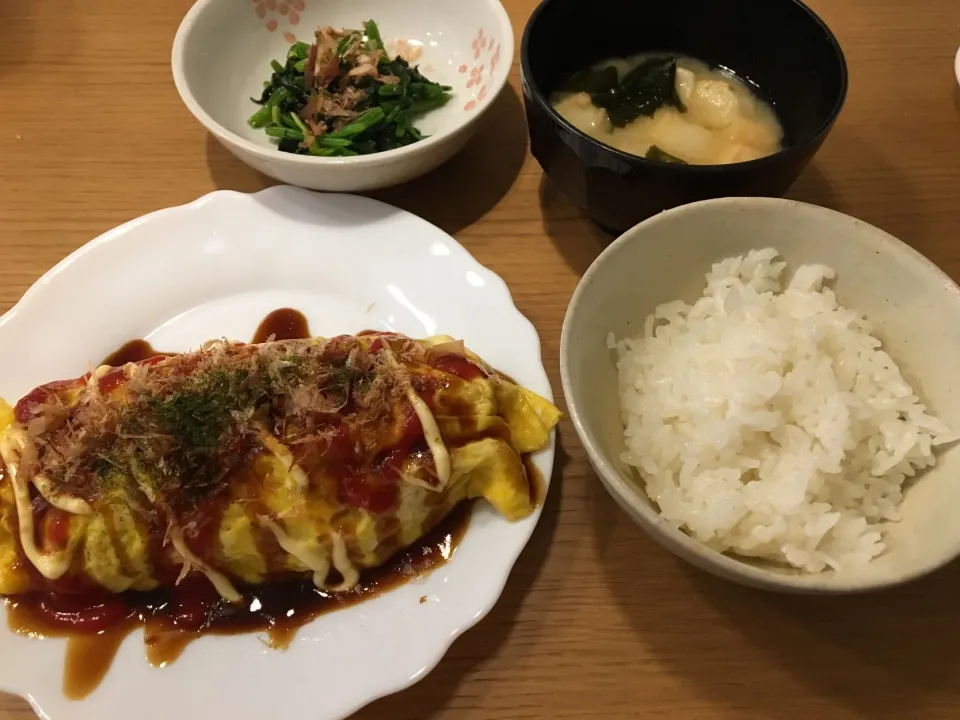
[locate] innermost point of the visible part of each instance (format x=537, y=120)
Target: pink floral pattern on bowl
x=486, y=58
x=273, y=12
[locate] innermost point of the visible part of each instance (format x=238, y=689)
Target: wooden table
x=596, y=620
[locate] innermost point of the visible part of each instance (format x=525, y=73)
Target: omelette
x=251, y=464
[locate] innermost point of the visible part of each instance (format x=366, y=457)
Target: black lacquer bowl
x=780, y=46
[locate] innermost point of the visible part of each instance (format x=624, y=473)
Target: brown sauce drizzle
x=133, y=351
x=172, y=618
x=538, y=486
x=282, y=324
x=89, y=657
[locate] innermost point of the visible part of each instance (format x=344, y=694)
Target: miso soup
x=670, y=108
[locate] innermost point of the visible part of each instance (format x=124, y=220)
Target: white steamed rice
x=766, y=420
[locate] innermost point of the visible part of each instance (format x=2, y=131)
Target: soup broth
x=670, y=108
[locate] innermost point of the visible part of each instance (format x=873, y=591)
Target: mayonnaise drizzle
x=51, y=564
x=217, y=579
x=313, y=557
x=283, y=454
x=61, y=501
x=341, y=561
x=431, y=431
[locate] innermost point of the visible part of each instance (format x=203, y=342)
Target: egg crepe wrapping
x=255, y=464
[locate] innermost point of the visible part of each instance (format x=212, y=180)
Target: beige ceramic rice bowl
x=913, y=308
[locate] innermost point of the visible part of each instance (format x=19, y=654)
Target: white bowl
x=915, y=306
x=222, y=54
x=956, y=66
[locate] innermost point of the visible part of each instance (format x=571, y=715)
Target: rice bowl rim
x=630, y=495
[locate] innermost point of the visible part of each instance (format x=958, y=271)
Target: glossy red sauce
x=457, y=365
x=65, y=612
x=115, y=378
x=26, y=408
x=56, y=528
x=375, y=494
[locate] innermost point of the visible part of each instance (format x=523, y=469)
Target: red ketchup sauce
x=458, y=365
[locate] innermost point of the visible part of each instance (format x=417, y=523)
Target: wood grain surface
x=596, y=620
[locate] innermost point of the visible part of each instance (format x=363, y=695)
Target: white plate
x=214, y=268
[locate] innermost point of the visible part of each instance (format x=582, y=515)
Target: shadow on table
x=17, y=20
x=813, y=187
x=455, y=195
x=890, y=654
x=574, y=235
x=579, y=241
x=868, y=164
x=431, y=694
x=227, y=172
x=470, y=184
